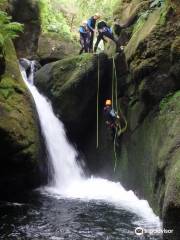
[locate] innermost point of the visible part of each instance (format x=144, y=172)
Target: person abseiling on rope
x=91, y=23
x=104, y=31
x=111, y=116
x=84, y=37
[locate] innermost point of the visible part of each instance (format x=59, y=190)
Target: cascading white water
x=68, y=179
x=60, y=151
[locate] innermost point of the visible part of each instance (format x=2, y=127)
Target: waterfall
x=69, y=180
x=60, y=151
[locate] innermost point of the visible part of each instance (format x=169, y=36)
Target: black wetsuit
x=104, y=31
x=110, y=116
x=84, y=39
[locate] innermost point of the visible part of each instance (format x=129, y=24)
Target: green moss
x=6, y=92
x=17, y=121
x=163, y=17
x=8, y=87
x=169, y=102
x=149, y=157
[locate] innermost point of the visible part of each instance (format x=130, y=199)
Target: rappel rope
x=117, y=106
x=98, y=81
x=118, y=130
x=115, y=154
x=114, y=88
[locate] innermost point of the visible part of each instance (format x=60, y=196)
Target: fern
x=8, y=29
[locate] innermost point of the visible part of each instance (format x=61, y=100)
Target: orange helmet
x=108, y=102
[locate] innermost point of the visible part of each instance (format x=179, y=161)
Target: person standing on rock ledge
x=104, y=31
x=91, y=23
x=84, y=37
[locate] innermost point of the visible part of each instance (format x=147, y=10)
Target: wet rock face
x=149, y=150
x=71, y=85
x=27, y=13
x=19, y=133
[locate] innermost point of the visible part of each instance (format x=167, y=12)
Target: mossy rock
x=145, y=27
x=149, y=159
x=149, y=150
x=152, y=57
x=52, y=47
x=127, y=11
x=71, y=85
x=19, y=134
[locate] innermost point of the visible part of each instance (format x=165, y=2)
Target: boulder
x=71, y=85
x=52, y=47
x=19, y=133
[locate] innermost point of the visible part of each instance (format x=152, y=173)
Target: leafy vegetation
x=104, y=7
x=8, y=29
x=52, y=18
